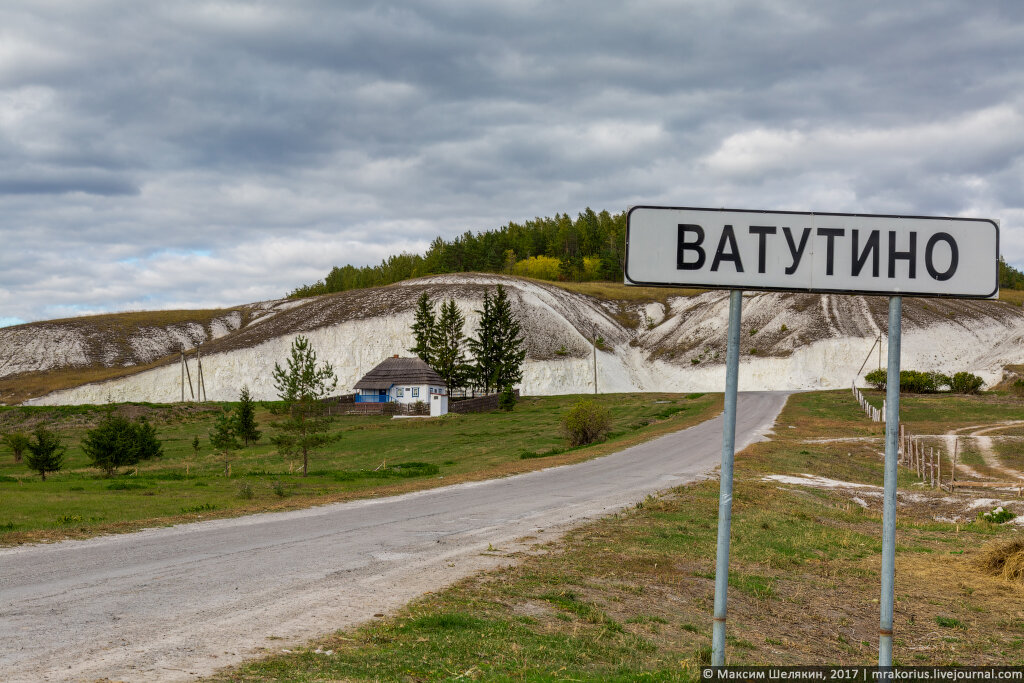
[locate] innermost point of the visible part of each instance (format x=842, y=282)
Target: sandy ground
x=176, y=603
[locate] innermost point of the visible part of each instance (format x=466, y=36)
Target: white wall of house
x=411, y=393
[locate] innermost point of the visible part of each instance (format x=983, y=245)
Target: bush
x=507, y=399
x=17, y=443
x=586, y=422
x=965, y=383
x=915, y=382
x=877, y=379
x=997, y=516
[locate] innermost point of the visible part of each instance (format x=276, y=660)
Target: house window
x=398, y=392
x=415, y=392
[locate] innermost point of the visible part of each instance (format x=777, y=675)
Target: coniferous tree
x=423, y=329
x=497, y=349
x=245, y=418
x=508, y=342
x=45, y=452
x=224, y=437
x=119, y=442
x=305, y=427
x=448, y=344
x=482, y=347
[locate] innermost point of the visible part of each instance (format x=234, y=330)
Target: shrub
x=965, y=383
x=245, y=491
x=586, y=422
x=17, y=443
x=915, y=382
x=507, y=399
x=877, y=379
x=997, y=516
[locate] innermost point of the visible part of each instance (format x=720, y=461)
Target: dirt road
x=176, y=603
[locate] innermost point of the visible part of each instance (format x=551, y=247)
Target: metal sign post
x=732, y=371
x=892, y=430
x=792, y=251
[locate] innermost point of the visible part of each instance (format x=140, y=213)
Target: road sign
x=812, y=252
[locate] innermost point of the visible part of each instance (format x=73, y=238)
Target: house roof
x=400, y=371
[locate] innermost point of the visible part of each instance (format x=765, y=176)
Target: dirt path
x=176, y=603
x=979, y=435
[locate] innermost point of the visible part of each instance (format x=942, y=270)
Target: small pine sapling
x=301, y=387
x=245, y=419
x=45, y=452
x=224, y=439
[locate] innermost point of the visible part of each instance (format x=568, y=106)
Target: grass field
x=630, y=597
x=374, y=455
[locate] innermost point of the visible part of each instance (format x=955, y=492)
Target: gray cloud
x=209, y=153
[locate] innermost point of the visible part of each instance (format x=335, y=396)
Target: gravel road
x=180, y=602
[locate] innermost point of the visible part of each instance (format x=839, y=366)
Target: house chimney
x=395, y=356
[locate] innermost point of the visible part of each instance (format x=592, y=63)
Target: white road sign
x=812, y=252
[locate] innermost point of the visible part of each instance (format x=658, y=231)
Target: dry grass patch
x=1004, y=560
x=616, y=291
x=1013, y=296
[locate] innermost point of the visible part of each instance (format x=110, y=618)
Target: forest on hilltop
x=591, y=247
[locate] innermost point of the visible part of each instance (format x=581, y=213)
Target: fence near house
x=480, y=404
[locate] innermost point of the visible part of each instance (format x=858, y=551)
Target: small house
x=400, y=380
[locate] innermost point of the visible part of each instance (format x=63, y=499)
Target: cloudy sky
x=199, y=154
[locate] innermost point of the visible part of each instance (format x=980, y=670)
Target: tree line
x=589, y=247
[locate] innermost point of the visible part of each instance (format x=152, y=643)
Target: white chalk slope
x=789, y=341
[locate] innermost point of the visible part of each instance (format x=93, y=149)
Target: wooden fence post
x=952, y=471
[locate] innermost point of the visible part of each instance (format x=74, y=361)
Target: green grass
x=630, y=597
x=374, y=455
x=937, y=413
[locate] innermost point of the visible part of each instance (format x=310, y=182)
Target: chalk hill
x=649, y=340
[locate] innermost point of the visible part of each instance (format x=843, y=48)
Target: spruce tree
x=245, y=418
x=482, y=347
x=120, y=442
x=45, y=452
x=301, y=387
x=497, y=349
x=508, y=342
x=448, y=344
x=423, y=329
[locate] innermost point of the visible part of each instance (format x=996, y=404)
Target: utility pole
x=201, y=381
x=595, y=360
x=184, y=363
x=183, y=374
